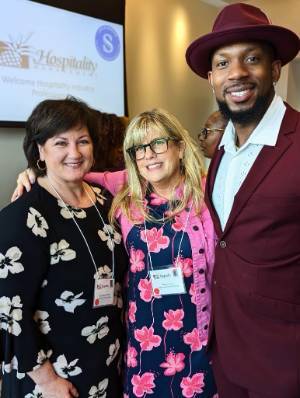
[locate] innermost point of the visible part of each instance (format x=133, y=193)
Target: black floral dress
x=46, y=295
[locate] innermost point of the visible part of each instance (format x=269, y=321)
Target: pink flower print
x=193, y=293
x=192, y=385
x=156, y=200
x=193, y=339
x=147, y=338
x=131, y=357
x=155, y=238
x=145, y=287
x=177, y=225
x=136, y=260
x=186, y=265
x=143, y=384
x=174, y=363
x=132, y=311
x=173, y=320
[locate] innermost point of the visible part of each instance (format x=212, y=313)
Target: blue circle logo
x=107, y=43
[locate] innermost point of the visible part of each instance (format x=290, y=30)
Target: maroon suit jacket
x=256, y=281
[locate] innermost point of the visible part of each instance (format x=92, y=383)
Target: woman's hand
x=24, y=180
x=50, y=384
x=58, y=388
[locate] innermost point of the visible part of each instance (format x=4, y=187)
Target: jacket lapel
x=211, y=176
x=263, y=165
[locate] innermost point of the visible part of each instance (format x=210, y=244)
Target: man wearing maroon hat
x=253, y=193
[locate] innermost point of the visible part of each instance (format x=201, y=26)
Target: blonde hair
x=130, y=200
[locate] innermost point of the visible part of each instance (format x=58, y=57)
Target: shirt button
x=187, y=209
x=201, y=251
x=204, y=308
x=195, y=228
x=223, y=244
x=205, y=327
x=202, y=290
x=201, y=271
x=215, y=282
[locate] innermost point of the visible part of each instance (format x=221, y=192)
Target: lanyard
x=180, y=243
x=81, y=232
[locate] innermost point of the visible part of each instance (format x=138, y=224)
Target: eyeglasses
x=158, y=145
x=205, y=131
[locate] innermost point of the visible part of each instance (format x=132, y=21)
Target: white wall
x=157, y=35
x=294, y=84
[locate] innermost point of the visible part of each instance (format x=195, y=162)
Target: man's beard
x=248, y=116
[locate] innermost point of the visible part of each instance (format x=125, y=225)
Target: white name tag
x=167, y=281
x=103, y=292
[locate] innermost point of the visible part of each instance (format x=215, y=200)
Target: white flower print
x=37, y=223
x=11, y=314
x=42, y=358
x=100, y=198
x=8, y=262
x=13, y=365
x=44, y=283
x=118, y=299
x=60, y=251
x=40, y=318
x=99, y=330
x=36, y=393
x=104, y=272
x=69, y=301
x=99, y=392
x=70, y=211
x=113, y=352
x=65, y=369
x=110, y=235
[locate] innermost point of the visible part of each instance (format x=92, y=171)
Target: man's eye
x=139, y=148
x=252, y=59
x=221, y=64
x=84, y=142
x=60, y=143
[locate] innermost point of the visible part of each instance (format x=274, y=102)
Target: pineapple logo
x=15, y=52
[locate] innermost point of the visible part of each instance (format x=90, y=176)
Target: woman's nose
x=149, y=153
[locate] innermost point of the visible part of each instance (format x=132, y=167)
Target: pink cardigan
x=202, y=238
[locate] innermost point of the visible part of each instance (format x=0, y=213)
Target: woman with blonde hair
x=169, y=237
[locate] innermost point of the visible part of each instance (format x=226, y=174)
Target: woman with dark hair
x=109, y=151
x=61, y=267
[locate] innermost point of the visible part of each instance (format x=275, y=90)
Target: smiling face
x=68, y=155
x=161, y=170
x=242, y=76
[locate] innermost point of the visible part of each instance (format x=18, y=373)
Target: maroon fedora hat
x=241, y=22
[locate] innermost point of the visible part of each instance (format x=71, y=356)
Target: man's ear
x=210, y=80
x=276, y=70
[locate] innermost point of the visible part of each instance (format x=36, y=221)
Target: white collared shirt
x=236, y=162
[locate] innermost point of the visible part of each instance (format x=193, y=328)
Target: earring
x=39, y=166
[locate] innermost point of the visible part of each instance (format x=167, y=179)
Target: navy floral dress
x=46, y=296
x=165, y=355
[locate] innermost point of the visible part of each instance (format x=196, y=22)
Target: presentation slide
x=46, y=52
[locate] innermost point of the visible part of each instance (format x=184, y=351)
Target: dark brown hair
x=51, y=117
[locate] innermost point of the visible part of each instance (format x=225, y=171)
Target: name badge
x=167, y=281
x=103, y=292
